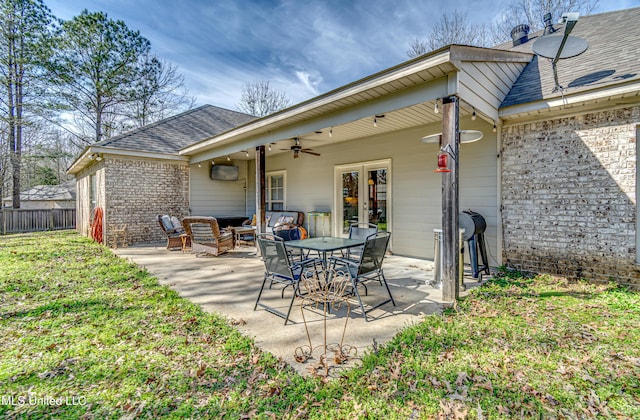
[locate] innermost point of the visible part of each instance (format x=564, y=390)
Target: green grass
x=80, y=324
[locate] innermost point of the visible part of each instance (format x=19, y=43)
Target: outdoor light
x=98, y=158
x=435, y=108
x=199, y=165
x=331, y=132
x=228, y=158
x=494, y=127
x=246, y=153
x=466, y=136
x=213, y=162
x=269, y=146
x=376, y=118
x=473, y=116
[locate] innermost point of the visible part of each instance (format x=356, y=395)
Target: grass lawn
x=84, y=334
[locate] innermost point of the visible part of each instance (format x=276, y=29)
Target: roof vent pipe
x=520, y=34
x=548, y=26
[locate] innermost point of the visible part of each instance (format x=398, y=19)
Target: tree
x=531, y=12
x=450, y=29
x=259, y=99
x=158, y=93
x=23, y=34
x=95, y=68
x=455, y=29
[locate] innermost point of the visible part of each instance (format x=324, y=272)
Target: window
x=276, y=186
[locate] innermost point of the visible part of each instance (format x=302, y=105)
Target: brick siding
x=138, y=190
x=569, y=196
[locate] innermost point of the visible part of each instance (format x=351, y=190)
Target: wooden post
x=450, y=201
x=260, y=190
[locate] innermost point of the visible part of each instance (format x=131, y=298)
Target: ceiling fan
x=297, y=148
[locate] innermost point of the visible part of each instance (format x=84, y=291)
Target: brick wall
x=569, y=196
x=138, y=190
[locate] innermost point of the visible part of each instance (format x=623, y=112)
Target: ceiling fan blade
x=311, y=152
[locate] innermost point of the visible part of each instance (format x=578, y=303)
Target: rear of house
x=554, y=174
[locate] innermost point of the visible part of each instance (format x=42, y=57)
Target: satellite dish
x=549, y=46
x=556, y=47
x=466, y=136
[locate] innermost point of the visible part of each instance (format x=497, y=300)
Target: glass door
x=362, y=195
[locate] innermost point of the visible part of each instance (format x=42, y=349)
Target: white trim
x=361, y=167
x=377, y=80
x=513, y=111
x=268, y=176
x=83, y=160
x=499, y=225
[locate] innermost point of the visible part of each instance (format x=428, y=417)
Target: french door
x=362, y=194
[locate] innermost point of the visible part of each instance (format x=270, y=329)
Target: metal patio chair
x=359, y=231
x=367, y=267
x=279, y=269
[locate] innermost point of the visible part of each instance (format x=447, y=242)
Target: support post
x=450, y=201
x=260, y=190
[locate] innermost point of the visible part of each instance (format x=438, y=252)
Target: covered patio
x=229, y=284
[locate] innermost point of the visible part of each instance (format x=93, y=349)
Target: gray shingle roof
x=612, y=58
x=174, y=133
x=62, y=192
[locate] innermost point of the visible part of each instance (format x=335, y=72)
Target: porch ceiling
x=401, y=119
x=406, y=95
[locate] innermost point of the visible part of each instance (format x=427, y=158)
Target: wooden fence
x=22, y=220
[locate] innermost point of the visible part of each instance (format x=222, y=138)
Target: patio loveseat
x=279, y=217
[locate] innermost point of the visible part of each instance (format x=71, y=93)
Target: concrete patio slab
x=229, y=285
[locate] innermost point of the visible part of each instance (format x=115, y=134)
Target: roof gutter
x=85, y=157
x=568, y=101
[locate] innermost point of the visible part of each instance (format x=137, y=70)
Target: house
x=137, y=175
x=62, y=196
x=554, y=174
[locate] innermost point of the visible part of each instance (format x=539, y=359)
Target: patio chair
x=367, y=267
x=359, y=231
x=206, y=236
x=279, y=269
x=173, y=230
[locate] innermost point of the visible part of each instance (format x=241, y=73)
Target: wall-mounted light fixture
x=269, y=146
x=331, y=132
x=228, y=158
x=495, y=128
x=246, y=153
x=199, y=165
x=473, y=116
x=435, y=108
x=376, y=118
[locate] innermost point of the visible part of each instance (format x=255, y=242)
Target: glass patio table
x=324, y=244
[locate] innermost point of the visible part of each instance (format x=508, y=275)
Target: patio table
x=324, y=244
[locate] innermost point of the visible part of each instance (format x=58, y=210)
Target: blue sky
x=303, y=47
